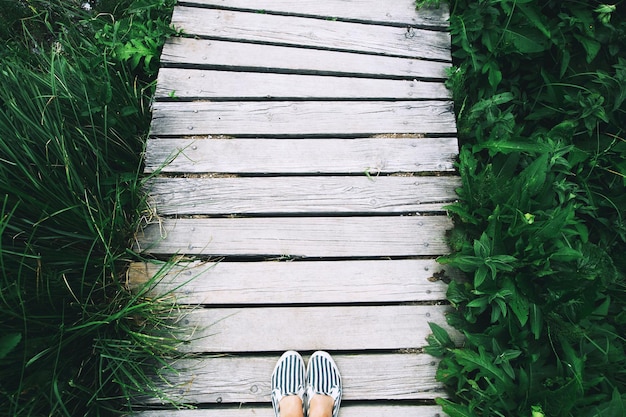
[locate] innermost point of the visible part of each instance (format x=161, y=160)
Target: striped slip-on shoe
x=322, y=377
x=287, y=378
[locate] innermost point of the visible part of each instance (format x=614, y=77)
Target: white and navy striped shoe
x=287, y=378
x=322, y=377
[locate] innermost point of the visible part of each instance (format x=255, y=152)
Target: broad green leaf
x=482, y=246
x=464, y=263
x=591, y=46
x=518, y=303
x=616, y=407
x=494, y=75
x=9, y=342
x=495, y=100
x=534, y=17
x=536, y=320
x=456, y=293
x=508, y=146
x=574, y=361
x=534, y=176
x=441, y=335
x=472, y=360
x=480, y=275
x=463, y=214
x=566, y=254
x=508, y=355
x=526, y=40
x=603, y=309
x=479, y=302
x=563, y=131
x=453, y=409
x=554, y=225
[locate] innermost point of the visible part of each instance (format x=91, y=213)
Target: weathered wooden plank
x=391, y=12
x=243, y=379
x=381, y=281
x=189, y=84
x=359, y=118
x=301, y=195
x=318, y=33
x=254, y=57
x=347, y=410
x=264, y=329
x=299, y=237
x=301, y=156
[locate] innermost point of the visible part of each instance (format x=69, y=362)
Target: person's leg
x=288, y=385
x=324, y=387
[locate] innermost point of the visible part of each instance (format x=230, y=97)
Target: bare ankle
x=321, y=406
x=291, y=406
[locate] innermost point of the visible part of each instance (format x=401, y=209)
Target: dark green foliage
x=73, y=115
x=540, y=91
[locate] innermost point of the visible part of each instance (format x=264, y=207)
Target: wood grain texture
x=314, y=95
x=301, y=195
x=400, y=12
x=268, y=58
x=188, y=84
x=346, y=410
x=358, y=118
x=317, y=33
x=263, y=329
x=257, y=283
x=299, y=236
x=301, y=156
x=241, y=379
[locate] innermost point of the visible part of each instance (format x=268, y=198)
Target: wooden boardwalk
x=302, y=154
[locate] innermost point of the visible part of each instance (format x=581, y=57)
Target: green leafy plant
x=539, y=93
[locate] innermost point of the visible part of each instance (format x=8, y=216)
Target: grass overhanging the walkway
x=540, y=228
x=76, y=80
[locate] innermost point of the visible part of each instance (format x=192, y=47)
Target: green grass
x=75, y=88
x=540, y=94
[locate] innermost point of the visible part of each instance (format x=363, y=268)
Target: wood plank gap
x=437, y=211
x=292, y=31
x=259, y=58
x=375, y=13
x=305, y=71
x=184, y=83
x=261, y=99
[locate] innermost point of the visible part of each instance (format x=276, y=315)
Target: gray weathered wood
x=301, y=156
x=299, y=237
x=303, y=118
x=188, y=84
x=257, y=283
x=301, y=195
x=236, y=55
x=366, y=377
x=400, y=12
x=346, y=410
x=368, y=86
x=240, y=379
x=264, y=329
x=318, y=33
